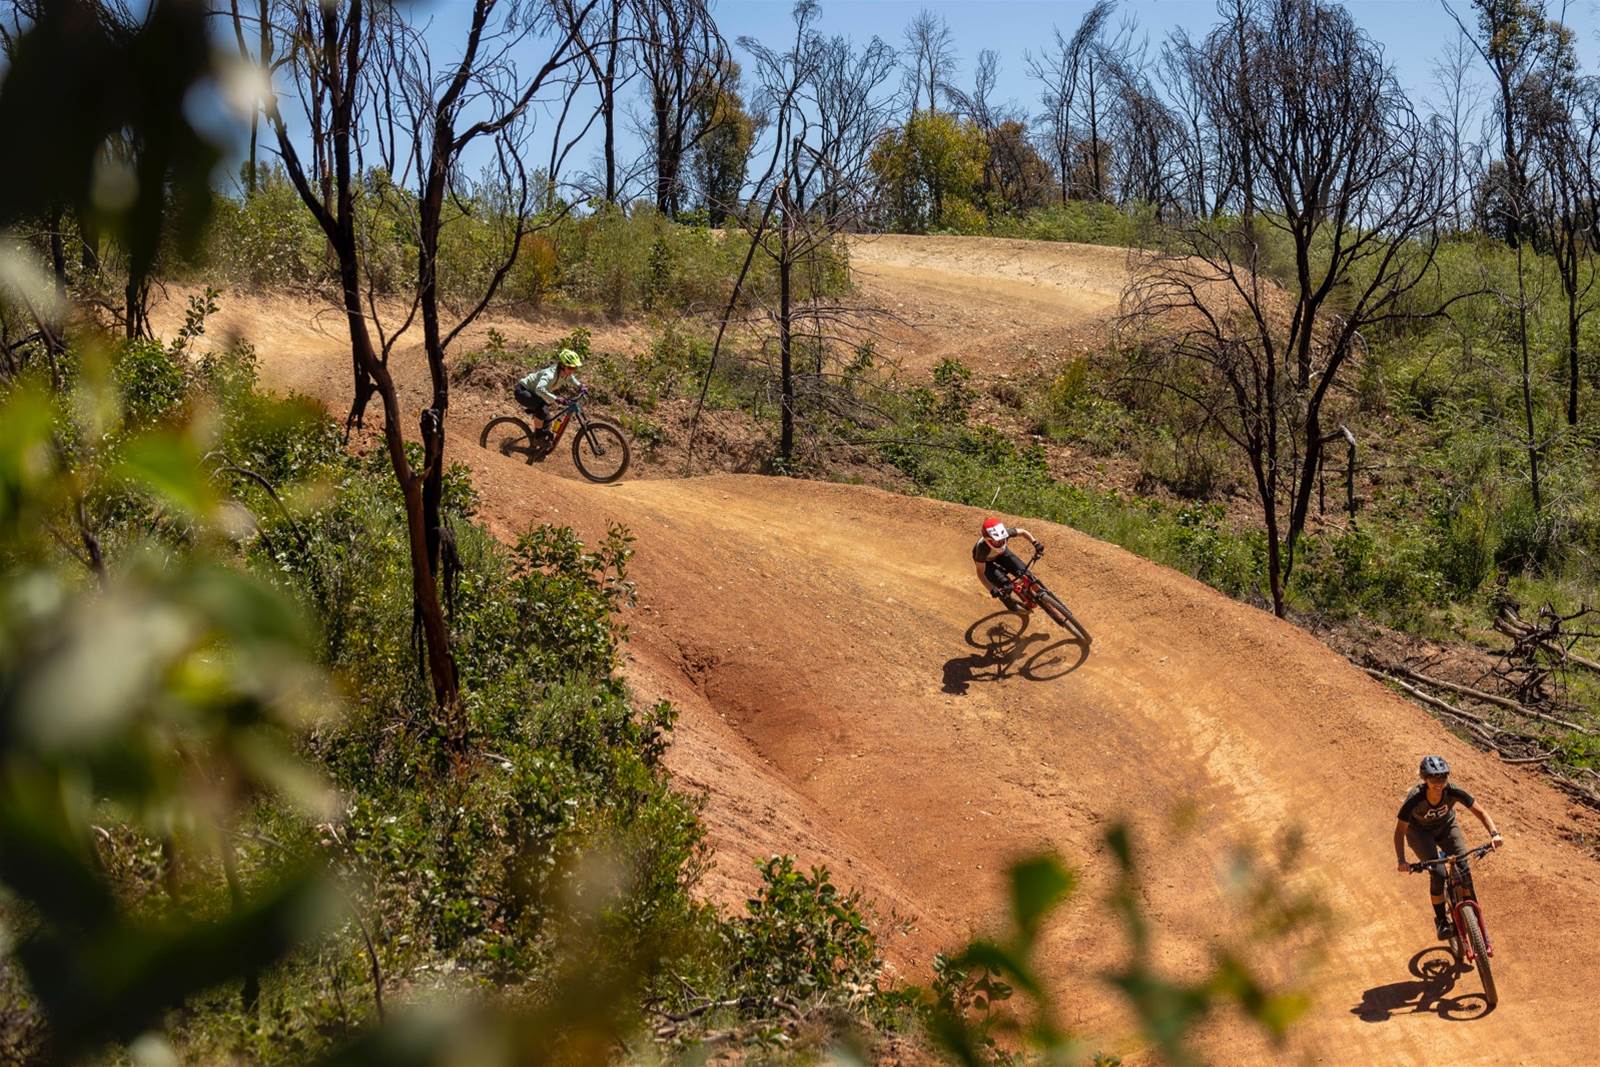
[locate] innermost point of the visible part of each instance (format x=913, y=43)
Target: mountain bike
x=599, y=448
x=1468, y=934
x=1028, y=591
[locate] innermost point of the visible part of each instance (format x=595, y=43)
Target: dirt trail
x=816, y=637
x=1000, y=306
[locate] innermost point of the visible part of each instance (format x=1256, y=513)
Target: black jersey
x=1416, y=810
x=1004, y=562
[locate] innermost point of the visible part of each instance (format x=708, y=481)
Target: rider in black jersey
x=1427, y=822
x=997, y=564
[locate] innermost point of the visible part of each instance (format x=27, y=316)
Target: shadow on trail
x=1002, y=643
x=1436, y=973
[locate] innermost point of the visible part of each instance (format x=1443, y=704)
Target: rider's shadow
x=1001, y=644
x=1436, y=972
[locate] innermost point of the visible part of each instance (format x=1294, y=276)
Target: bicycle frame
x=1023, y=585
x=1455, y=891
x=558, y=424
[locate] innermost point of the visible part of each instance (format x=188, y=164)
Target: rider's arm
x=1400, y=828
x=1034, y=541
x=1483, y=817
x=541, y=380
x=983, y=576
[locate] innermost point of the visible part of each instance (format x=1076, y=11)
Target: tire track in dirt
x=1003, y=307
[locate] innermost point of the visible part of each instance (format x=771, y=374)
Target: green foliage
x=952, y=377
x=1167, y=1007
x=268, y=240
x=555, y=862
x=1078, y=221
x=800, y=937
x=131, y=704
x=963, y=1008
x=1464, y=551
x=150, y=380
x=720, y=157
x=620, y=262
x=928, y=172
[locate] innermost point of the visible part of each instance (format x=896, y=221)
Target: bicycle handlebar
x=1471, y=853
x=1038, y=550
x=571, y=403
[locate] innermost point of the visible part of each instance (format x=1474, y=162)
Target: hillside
x=825, y=644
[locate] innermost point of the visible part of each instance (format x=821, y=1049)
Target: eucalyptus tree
x=362, y=81
x=684, y=62
x=1059, y=72
x=825, y=104
x=930, y=59
x=1564, y=131
x=1345, y=205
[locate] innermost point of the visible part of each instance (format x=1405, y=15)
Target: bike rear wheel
x=600, y=451
x=1060, y=613
x=1480, y=950
x=509, y=436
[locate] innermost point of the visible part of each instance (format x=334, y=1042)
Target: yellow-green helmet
x=568, y=358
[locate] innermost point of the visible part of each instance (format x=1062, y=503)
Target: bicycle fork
x=1461, y=929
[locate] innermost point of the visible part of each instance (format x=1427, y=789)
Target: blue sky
x=1413, y=33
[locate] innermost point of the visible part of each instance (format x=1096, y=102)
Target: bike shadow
x=1436, y=972
x=1002, y=641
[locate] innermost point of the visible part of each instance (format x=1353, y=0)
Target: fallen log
x=1523, y=759
x=1476, y=723
x=1490, y=698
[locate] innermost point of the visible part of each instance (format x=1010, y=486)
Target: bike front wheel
x=509, y=436
x=600, y=451
x=1060, y=614
x=1480, y=951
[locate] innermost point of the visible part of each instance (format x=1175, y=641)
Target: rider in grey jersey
x=1427, y=822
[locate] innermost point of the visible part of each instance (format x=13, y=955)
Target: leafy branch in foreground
x=165, y=700
x=963, y=1009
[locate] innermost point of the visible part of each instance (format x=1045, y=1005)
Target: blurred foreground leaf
x=97, y=97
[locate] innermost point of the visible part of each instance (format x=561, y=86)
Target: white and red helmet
x=995, y=532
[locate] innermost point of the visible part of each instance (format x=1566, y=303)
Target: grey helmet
x=1432, y=765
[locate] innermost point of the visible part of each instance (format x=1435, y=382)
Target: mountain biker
x=1427, y=821
x=997, y=565
x=536, y=392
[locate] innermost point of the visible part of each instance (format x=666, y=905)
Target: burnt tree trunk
x=372, y=375
x=785, y=339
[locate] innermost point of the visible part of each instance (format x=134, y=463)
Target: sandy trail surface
x=1003, y=307
x=843, y=699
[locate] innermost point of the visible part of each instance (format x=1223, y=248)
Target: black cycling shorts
x=1430, y=844
x=531, y=402
x=1003, y=568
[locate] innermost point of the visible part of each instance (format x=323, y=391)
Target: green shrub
x=269, y=240
x=953, y=378
x=801, y=937
x=1464, y=550
x=1196, y=469
x=150, y=381
x=1078, y=407
x=1525, y=536
x=1081, y=222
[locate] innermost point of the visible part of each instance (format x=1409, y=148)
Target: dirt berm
x=816, y=637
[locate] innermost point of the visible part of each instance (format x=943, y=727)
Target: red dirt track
x=815, y=637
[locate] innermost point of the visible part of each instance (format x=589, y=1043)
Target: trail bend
x=1001, y=306
x=814, y=636
x=817, y=634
